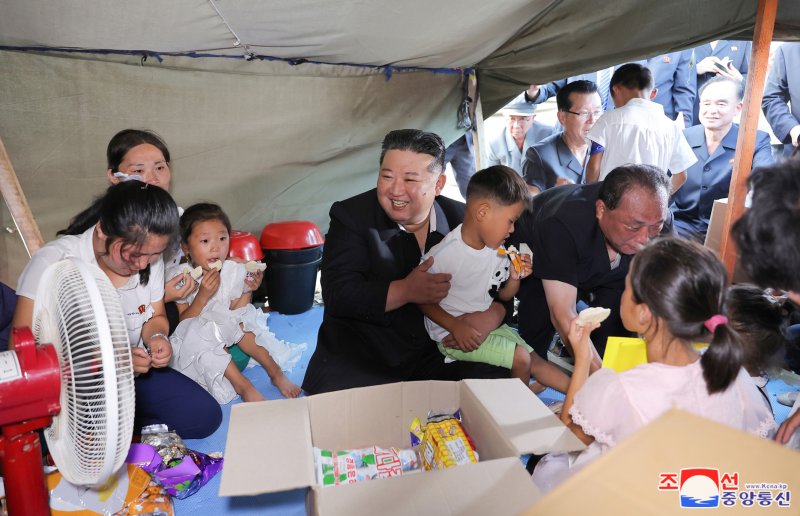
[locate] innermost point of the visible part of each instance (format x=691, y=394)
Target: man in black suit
x=583, y=238
x=372, y=279
x=561, y=158
x=783, y=88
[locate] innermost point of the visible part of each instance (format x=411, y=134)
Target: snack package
x=180, y=470
x=169, y=445
x=444, y=444
x=154, y=501
x=513, y=255
x=351, y=466
x=109, y=498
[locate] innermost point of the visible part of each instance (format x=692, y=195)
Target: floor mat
x=303, y=328
x=292, y=328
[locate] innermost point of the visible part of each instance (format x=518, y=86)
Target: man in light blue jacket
x=508, y=146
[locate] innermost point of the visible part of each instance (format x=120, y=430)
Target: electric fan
x=78, y=311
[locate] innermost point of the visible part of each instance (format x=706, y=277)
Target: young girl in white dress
x=674, y=296
x=217, y=314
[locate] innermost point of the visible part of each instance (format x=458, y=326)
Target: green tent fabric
x=276, y=109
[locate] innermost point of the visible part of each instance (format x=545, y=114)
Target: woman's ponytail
x=723, y=359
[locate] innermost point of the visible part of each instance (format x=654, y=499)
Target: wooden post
x=17, y=205
x=477, y=116
x=745, y=144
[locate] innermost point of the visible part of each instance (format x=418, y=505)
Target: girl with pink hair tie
x=674, y=296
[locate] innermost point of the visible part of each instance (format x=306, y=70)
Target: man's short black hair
x=627, y=177
x=499, y=183
x=768, y=234
x=633, y=76
x=716, y=80
x=418, y=141
x=582, y=87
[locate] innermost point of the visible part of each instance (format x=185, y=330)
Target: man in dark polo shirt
x=372, y=279
x=583, y=238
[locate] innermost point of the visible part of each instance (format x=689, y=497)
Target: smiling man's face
x=407, y=187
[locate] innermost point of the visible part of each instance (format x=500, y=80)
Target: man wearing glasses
x=637, y=131
x=561, y=158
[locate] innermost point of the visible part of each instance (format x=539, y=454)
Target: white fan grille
x=79, y=312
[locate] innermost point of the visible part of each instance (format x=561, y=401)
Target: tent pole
x=477, y=116
x=17, y=205
x=745, y=144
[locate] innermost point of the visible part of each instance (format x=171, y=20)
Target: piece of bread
x=525, y=249
x=593, y=314
x=215, y=265
x=194, y=273
x=254, y=266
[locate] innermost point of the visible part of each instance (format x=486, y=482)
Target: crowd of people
x=613, y=204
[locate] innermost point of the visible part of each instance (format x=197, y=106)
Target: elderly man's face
x=518, y=125
x=719, y=104
x=638, y=218
x=586, y=109
x=406, y=188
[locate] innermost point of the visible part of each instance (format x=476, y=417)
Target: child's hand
x=171, y=290
x=526, y=268
x=210, y=283
x=141, y=360
x=578, y=337
x=161, y=350
x=466, y=337
x=252, y=280
x=787, y=428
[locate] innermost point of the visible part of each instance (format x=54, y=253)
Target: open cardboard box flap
x=525, y=421
x=270, y=444
x=626, y=479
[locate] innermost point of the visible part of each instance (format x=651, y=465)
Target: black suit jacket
x=359, y=343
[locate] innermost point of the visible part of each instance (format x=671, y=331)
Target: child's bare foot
x=250, y=393
x=286, y=386
x=536, y=387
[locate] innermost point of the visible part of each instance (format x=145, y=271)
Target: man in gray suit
x=561, y=158
x=783, y=88
x=509, y=145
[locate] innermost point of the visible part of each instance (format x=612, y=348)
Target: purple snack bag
x=183, y=476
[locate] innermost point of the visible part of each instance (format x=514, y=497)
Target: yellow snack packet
x=445, y=445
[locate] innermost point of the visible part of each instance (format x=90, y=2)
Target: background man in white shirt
x=638, y=131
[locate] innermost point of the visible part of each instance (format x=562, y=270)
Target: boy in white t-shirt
x=481, y=271
x=637, y=131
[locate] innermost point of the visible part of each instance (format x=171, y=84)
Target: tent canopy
x=276, y=109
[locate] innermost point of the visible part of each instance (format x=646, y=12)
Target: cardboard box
x=643, y=474
x=269, y=447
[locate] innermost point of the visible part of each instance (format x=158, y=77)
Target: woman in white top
x=125, y=233
x=142, y=154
